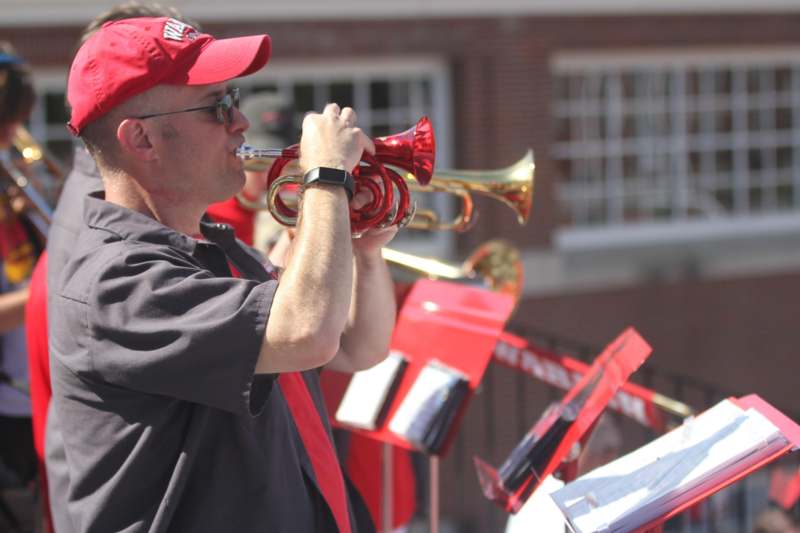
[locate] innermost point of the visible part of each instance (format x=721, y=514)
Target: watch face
x=330, y=176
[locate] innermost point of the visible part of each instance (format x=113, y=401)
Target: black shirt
x=153, y=349
x=61, y=241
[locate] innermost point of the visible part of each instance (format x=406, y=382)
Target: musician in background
x=186, y=436
x=775, y=520
x=18, y=250
x=603, y=446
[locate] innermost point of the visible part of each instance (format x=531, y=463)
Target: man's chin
x=237, y=183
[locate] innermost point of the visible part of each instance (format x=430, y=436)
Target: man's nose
x=240, y=122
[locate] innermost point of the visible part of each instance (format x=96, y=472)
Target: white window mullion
x=678, y=152
x=615, y=191
x=769, y=174
x=796, y=136
x=362, y=103
x=708, y=170
x=741, y=181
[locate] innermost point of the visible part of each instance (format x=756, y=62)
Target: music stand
x=444, y=323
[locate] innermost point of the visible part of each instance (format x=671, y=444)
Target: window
x=663, y=138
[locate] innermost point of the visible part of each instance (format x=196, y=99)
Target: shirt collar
x=132, y=225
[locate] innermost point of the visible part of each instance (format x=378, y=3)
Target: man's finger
x=332, y=109
x=369, y=146
x=349, y=116
x=361, y=198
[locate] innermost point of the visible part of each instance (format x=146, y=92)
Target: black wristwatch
x=330, y=176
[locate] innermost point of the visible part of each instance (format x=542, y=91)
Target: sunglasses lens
x=234, y=94
x=226, y=105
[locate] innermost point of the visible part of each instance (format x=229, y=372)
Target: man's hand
x=331, y=139
x=372, y=240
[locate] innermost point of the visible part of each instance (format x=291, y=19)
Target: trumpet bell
x=513, y=186
x=496, y=265
x=413, y=150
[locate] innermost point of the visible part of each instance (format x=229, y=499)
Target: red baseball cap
x=127, y=57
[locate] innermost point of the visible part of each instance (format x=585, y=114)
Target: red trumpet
x=412, y=151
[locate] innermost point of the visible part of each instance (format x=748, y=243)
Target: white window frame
x=742, y=222
x=48, y=81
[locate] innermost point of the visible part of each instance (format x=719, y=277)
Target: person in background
x=19, y=247
x=775, y=520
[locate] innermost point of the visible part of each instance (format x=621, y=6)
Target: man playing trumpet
x=189, y=398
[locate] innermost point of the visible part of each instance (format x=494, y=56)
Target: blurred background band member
x=18, y=249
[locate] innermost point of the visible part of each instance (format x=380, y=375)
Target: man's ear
x=134, y=138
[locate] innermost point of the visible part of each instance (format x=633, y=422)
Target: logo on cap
x=175, y=30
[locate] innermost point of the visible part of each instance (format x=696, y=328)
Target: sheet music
x=368, y=392
x=643, y=485
x=422, y=403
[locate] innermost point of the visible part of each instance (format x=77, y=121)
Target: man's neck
x=175, y=213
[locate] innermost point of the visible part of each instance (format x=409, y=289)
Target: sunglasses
x=223, y=108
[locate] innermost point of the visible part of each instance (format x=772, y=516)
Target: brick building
x=667, y=141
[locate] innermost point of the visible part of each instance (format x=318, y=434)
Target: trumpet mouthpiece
x=246, y=152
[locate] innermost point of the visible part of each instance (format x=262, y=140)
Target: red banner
x=562, y=371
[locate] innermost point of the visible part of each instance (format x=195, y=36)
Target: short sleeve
x=160, y=324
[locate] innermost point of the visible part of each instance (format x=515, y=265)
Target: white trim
x=602, y=61
x=347, y=69
x=560, y=274
x=59, y=12
x=623, y=236
x=738, y=249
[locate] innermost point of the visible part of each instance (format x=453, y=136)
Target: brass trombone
x=512, y=186
x=34, y=157
x=495, y=264
x=33, y=153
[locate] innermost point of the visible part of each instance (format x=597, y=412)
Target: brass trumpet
x=495, y=264
x=512, y=186
x=34, y=157
x=33, y=154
